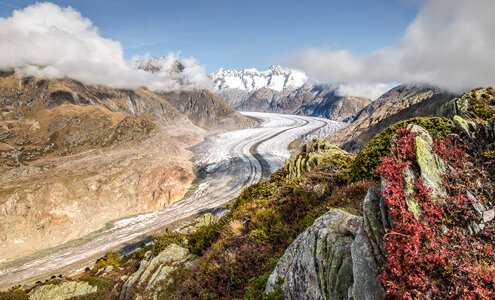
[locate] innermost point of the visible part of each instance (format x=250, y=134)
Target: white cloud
x=46, y=40
x=371, y=91
x=450, y=44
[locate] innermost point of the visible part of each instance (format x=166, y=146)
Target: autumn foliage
x=438, y=255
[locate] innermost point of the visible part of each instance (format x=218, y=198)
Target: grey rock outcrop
x=337, y=257
x=154, y=270
x=367, y=250
x=61, y=291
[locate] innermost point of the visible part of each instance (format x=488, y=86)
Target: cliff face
x=73, y=157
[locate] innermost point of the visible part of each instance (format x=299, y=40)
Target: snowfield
x=227, y=162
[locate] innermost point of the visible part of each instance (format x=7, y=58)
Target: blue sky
x=242, y=34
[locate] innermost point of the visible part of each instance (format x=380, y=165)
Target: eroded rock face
x=335, y=258
x=154, y=270
x=61, y=291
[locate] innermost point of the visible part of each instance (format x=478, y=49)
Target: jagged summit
x=276, y=78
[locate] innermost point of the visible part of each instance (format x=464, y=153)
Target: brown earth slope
x=74, y=157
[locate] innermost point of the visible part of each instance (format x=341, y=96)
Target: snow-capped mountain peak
x=276, y=78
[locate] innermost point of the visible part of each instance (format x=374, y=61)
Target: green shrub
x=256, y=289
x=163, y=241
x=204, y=237
x=363, y=166
x=111, y=259
x=481, y=102
x=14, y=293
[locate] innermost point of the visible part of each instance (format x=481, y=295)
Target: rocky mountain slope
x=201, y=106
x=207, y=110
x=74, y=157
x=284, y=90
x=425, y=227
x=400, y=103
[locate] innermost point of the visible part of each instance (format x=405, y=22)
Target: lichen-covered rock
x=61, y=291
x=466, y=126
x=367, y=250
x=431, y=165
x=338, y=257
x=154, y=270
x=412, y=204
x=317, y=265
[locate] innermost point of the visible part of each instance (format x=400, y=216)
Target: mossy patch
x=481, y=103
x=110, y=259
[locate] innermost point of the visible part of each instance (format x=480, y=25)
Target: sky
x=365, y=45
x=241, y=34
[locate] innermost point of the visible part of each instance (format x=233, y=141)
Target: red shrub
x=435, y=256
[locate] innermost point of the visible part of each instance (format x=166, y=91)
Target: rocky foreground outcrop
x=154, y=270
x=415, y=238
x=62, y=291
x=335, y=258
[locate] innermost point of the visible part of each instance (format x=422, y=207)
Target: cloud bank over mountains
x=46, y=40
x=450, y=44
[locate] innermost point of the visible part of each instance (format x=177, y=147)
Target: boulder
x=154, y=270
x=367, y=250
x=337, y=257
x=63, y=290
x=317, y=264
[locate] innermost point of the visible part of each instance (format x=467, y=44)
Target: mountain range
x=284, y=90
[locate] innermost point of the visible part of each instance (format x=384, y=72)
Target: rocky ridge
x=400, y=103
